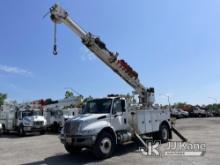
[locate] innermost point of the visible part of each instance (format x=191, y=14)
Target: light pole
x=168, y=99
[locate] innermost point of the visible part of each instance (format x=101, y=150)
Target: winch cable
x=55, y=40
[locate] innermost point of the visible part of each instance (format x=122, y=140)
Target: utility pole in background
x=168, y=99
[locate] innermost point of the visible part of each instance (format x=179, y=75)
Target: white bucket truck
x=109, y=121
x=57, y=113
x=23, y=118
x=113, y=120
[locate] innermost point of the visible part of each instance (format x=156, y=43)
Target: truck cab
x=22, y=121
x=109, y=121
x=30, y=121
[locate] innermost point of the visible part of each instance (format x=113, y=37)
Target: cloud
x=86, y=54
x=15, y=70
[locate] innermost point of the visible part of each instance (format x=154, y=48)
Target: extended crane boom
x=119, y=66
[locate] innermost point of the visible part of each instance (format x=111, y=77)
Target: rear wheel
x=104, y=146
x=164, y=133
x=72, y=149
x=55, y=127
x=3, y=129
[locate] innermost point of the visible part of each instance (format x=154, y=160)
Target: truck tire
x=164, y=133
x=104, y=146
x=55, y=127
x=21, y=131
x=3, y=129
x=42, y=132
x=71, y=149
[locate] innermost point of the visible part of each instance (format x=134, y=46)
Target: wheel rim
x=164, y=133
x=106, y=145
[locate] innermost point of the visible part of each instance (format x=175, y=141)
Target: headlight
x=27, y=123
x=88, y=132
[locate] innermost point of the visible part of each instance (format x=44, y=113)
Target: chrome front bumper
x=33, y=129
x=78, y=140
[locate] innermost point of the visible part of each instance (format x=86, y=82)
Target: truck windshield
x=31, y=113
x=98, y=106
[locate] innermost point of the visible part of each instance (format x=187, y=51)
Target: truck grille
x=71, y=127
x=38, y=123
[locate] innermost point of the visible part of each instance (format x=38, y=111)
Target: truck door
x=118, y=115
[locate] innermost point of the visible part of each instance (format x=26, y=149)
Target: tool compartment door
x=156, y=120
x=143, y=122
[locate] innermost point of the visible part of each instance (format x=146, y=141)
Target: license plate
x=68, y=140
x=27, y=128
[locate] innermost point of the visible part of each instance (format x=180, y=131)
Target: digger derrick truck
x=112, y=120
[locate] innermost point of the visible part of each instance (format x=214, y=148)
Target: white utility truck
x=71, y=112
x=57, y=113
x=23, y=118
x=112, y=120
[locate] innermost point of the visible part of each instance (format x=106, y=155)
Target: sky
x=173, y=45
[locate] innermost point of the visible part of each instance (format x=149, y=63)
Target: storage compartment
x=147, y=121
x=141, y=121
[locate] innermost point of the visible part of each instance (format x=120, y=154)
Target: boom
x=93, y=43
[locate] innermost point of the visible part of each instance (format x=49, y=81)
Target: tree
x=2, y=98
x=68, y=94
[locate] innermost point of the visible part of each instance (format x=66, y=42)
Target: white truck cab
x=70, y=113
x=57, y=117
x=57, y=113
x=22, y=121
x=109, y=121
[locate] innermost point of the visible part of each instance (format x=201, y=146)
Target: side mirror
x=123, y=109
x=113, y=111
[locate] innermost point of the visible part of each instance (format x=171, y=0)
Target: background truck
x=57, y=113
x=179, y=113
x=112, y=120
x=198, y=112
x=22, y=118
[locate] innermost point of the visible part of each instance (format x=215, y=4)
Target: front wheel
x=72, y=149
x=42, y=132
x=21, y=131
x=104, y=146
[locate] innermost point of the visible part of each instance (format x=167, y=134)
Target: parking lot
x=46, y=149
